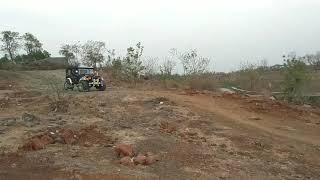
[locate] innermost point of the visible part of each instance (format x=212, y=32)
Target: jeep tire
x=83, y=86
x=102, y=87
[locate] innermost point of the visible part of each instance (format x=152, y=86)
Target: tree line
x=91, y=53
x=12, y=44
x=27, y=47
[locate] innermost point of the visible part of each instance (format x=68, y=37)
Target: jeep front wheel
x=67, y=85
x=102, y=87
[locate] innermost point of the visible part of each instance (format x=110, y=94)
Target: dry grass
x=202, y=82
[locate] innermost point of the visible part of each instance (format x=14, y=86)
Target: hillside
x=185, y=134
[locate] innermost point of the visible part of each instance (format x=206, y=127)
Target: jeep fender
x=69, y=80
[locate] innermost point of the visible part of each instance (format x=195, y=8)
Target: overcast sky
x=227, y=31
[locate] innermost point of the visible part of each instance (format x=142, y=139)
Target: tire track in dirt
x=233, y=112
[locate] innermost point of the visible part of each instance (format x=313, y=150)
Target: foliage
x=250, y=73
x=193, y=63
x=113, y=62
x=117, y=64
x=150, y=65
x=71, y=52
x=132, y=64
x=167, y=67
x=92, y=53
x=169, y=64
x=313, y=60
x=5, y=62
x=31, y=43
x=10, y=43
x=296, y=77
x=4, y=59
x=37, y=55
x=111, y=56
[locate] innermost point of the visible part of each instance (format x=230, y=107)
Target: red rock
x=87, y=144
x=37, y=142
x=45, y=140
x=140, y=159
x=151, y=158
x=126, y=161
x=149, y=154
x=68, y=136
x=33, y=145
x=123, y=150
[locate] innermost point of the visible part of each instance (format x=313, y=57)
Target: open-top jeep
x=83, y=78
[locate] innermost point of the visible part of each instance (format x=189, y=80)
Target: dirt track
x=197, y=135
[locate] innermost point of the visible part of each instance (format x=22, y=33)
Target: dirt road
x=300, y=127
x=195, y=135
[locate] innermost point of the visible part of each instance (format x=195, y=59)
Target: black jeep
x=83, y=78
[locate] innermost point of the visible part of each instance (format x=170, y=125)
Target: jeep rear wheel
x=83, y=86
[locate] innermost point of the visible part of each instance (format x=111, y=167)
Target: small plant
x=150, y=66
x=166, y=68
x=56, y=95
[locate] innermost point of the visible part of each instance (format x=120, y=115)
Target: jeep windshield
x=85, y=71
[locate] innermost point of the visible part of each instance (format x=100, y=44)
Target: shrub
x=296, y=78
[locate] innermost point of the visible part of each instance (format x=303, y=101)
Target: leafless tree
x=313, y=60
x=150, y=65
x=111, y=56
x=92, y=53
x=192, y=63
x=167, y=67
x=263, y=64
x=249, y=74
x=71, y=52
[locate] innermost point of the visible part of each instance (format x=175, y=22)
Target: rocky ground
x=151, y=134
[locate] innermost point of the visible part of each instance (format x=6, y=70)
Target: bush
x=8, y=66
